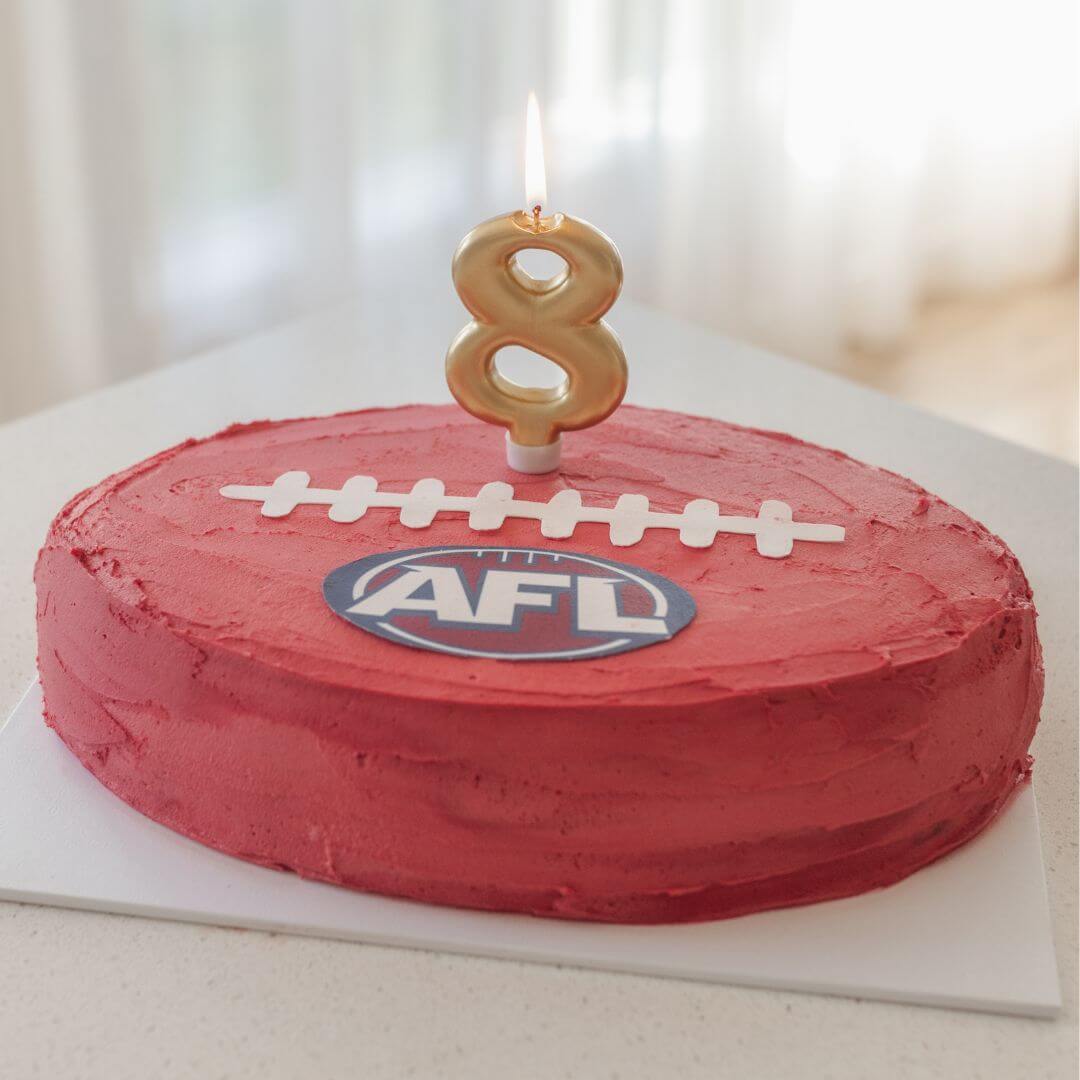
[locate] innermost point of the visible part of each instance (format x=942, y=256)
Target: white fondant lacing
x=699, y=523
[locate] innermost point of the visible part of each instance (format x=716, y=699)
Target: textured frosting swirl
x=830, y=721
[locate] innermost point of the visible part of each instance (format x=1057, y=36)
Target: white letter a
x=448, y=600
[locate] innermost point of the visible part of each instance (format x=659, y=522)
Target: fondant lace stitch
x=773, y=528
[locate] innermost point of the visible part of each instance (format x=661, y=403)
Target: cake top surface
x=911, y=580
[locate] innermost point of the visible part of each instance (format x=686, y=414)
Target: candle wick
x=536, y=216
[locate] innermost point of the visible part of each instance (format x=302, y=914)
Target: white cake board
x=972, y=931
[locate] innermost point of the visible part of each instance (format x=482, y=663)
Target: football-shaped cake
x=699, y=671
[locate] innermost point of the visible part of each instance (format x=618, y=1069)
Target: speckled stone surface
x=88, y=995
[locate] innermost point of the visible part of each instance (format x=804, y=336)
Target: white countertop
x=88, y=995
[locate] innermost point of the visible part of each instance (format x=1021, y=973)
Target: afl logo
x=508, y=603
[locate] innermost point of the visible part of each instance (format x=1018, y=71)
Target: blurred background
x=884, y=189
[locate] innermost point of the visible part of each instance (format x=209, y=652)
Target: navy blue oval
x=508, y=603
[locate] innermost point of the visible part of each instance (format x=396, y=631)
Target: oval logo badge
x=508, y=603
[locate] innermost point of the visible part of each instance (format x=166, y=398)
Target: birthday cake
x=698, y=671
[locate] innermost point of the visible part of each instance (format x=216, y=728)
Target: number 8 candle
x=559, y=318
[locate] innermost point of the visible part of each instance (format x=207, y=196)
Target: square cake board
x=971, y=931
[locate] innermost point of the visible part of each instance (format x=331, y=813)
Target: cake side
x=693, y=799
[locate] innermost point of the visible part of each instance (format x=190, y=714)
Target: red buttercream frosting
x=829, y=723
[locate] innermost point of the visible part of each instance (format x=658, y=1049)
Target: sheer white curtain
x=801, y=174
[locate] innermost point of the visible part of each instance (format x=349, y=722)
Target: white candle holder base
x=533, y=459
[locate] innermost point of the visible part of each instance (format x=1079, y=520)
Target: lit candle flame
x=535, y=174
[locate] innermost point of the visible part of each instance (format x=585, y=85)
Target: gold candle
x=559, y=318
